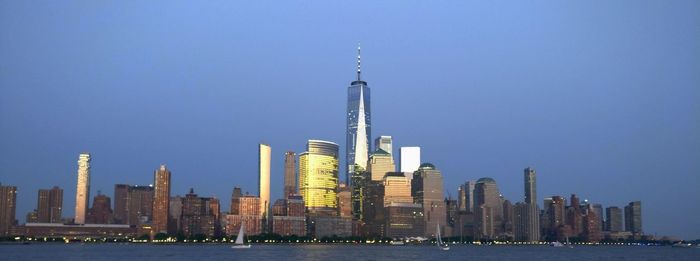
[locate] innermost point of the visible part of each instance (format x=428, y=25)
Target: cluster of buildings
x=375, y=199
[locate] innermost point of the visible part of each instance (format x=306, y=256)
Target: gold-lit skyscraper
x=264, y=154
x=290, y=177
x=82, y=193
x=380, y=163
x=161, y=200
x=318, y=176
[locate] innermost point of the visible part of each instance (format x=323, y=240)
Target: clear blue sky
x=601, y=97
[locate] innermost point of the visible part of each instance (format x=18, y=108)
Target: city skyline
x=588, y=134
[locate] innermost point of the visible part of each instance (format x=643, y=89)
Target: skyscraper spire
x=358, y=61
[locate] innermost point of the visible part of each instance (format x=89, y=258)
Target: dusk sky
x=602, y=98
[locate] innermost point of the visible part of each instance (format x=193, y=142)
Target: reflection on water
x=51, y=251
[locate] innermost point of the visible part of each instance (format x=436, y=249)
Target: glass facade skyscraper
x=359, y=122
x=318, y=176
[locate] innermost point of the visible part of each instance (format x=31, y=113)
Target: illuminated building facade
x=264, y=154
x=82, y=193
x=359, y=122
x=290, y=177
x=161, y=200
x=318, y=176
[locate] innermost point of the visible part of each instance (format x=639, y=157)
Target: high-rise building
x=82, y=193
x=613, y=221
x=121, y=209
x=556, y=216
x=409, y=159
x=175, y=213
x=359, y=124
x=427, y=189
x=289, y=217
x=466, y=196
x=161, y=200
x=50, y=205
x=633, y=217
x=198, y=215
x=533, y=213
x=318, y=176
x=520, y=222
x=488, y=209
x=264, y=156
x=591, y=227
x=101, y=211
x=139, y=204
x=384, y=143
x=8, y=206
x=344, y=201
x=380, y=163
x=598, y=209
x=574, y=216
x=358, y=179
x=290, y=177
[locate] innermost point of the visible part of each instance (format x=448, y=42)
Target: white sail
x=239, y=239
x=439, y=238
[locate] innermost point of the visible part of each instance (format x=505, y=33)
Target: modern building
x=50, y=205
x=384, y=143
x=613, y=221
x=264, y=156
x=161, y=200
x=82, y=193
x=380, y=163
x=8, y=206
x=121, y=208
x=101, y=211
x=404, y=220
x=574, y=216
x=556, y=216
x=133, y=204
x=409, y=159
x=175, y=214
x=290, y=177
x=532, y=229
x=359, y=124
x=633, y=217
x=591, y=226
x=488, y=209
x=466, y=196
x=318, y=176
x=427, y=190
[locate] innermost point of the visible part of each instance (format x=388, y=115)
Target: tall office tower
x=101, y=211
x=139, y=204
x=42, y=207
x=556, y=215
x=467, y=199
x=533, y=212
x=318, y=176
x=613, y=221
x=359, y=124
x=82, y=193
x=380, y=163
x=175, y=212
x=427, y=189
x=633, y=217
x=161, y=200
x=591, y=227
x=488, y=209
x=264, y=156
x=121, y=209
x=290, y=177
x=50, y=205
x=598, y=209
x=574, y=216
x=409, y=159
x=384, y=143
x=8, y=206
x=520, y=221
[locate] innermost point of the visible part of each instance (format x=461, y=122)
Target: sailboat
x=239, y=239
x=440, y=244
x=568, y=244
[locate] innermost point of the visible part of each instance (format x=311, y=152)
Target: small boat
x=397, y=242
x=239, y=239
x=440, y=244
x=568, y=244
x=557, y=244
